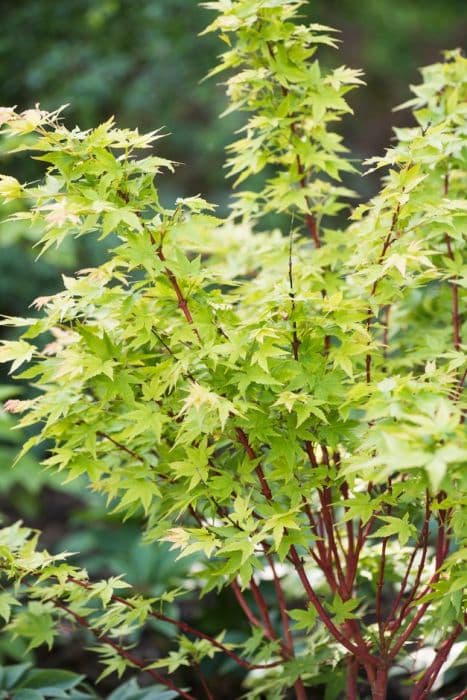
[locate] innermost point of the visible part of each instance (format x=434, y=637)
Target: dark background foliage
x=142, y=61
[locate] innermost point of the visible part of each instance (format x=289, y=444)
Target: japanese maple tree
x=286, y=403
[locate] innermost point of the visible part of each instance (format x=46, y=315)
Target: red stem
x=282, y=608
x=243, y=439
x=183, y=627
x=349, y=525
x=408, y=630
x=361, y=652
x=329, y=525
x=416, y=584
x=362, y=537
x=423, y=540
x=426, y=682
x=379, y=690
x=441, y=544
x=203, y=681
x=317, y=527
x=313, y=230
x=182, y=302
x=379, y=595
x=121, y=446
x=321, y=560
x=351, y=688
x=379, y=591
x=246, y=608
x=263, y=608
x=441, y=553
x=123, y=652
x=342, y=587
x=300, y=692
x=325, y=556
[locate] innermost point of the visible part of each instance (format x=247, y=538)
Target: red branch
x=426, y=682
x=343, y=584
x=405, y=636
x=123, y=652
x=183, y=627
x=243, y=439
x=282, y=607
x=351, y=688
x=182, y=302
x=263, y=608
x=325, y=557
x=380, y=585
x=121, y=446
x=360, y=650
x=349, y=524
x=422, y=542
x=379, y=594
x=203, y=681
x=247, y=610
x=442, y=548
x=379, y=687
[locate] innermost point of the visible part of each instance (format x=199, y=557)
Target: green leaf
x=343, y=610
x=35, y=624
x=7, y=601
x=396, y=526
x=304, y=619
x=48, y=681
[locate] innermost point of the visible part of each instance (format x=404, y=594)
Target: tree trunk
x=300, y=692
x=351, y=690
x=380, y=687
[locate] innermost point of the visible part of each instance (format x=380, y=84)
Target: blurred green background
x=142, y=61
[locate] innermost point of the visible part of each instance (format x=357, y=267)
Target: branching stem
x=123, y=652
